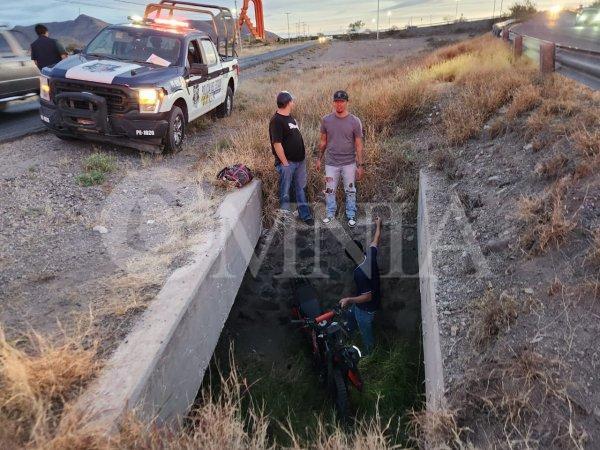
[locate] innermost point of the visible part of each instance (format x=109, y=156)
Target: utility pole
x=501, y=1
x=456, y=15
x=494, y=11
x=288, y=23
x=377, y=19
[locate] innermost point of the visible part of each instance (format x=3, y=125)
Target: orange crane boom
x=258, y=30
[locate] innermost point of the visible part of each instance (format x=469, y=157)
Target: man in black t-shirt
x=288, y=149
x=45, y=51
x=368, y=292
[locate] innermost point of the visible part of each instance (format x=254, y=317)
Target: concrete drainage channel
x=273, y=357
x=159, y=370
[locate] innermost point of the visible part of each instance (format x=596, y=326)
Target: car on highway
x=19, y=76
x=588, y=17
x=139, y=84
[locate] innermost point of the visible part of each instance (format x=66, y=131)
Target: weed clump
x=96, y=166
x=492, y=314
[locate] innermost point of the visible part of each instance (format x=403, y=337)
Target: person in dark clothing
x=44, y=50
x=289, y=151
x=368, y=293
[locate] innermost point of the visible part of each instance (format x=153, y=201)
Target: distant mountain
x=71, y=33
x=79, y=32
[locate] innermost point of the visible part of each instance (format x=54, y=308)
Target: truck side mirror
x=199, y=69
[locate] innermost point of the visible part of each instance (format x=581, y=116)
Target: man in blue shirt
x=368, y=293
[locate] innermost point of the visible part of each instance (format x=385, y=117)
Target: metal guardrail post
x=518, y=48
x=547, y=57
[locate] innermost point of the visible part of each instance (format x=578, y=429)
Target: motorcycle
x=335, y=360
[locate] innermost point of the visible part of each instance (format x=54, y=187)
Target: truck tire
x=225, y=108
x=176, y=132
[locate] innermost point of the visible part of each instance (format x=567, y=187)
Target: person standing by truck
x=342, y=147
x=288, y=148
x=44, y=50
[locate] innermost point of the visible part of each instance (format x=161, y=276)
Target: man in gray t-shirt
x=342, y=147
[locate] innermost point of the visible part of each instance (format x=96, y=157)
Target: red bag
x=238, y=173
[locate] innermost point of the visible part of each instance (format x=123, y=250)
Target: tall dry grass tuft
x=436, y=429
x=545, y=217
x=525, y=99
x=510, y=389
x=492, y=314
x=36, y=384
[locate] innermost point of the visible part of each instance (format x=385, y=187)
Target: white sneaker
x=351, y=223
x=327, y=220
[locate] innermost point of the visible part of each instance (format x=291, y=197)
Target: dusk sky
x=321, y=16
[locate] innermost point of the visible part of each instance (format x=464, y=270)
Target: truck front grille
x=118, y=100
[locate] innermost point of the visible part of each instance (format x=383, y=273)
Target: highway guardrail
x=575, y=63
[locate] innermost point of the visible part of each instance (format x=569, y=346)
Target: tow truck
x=139, y=84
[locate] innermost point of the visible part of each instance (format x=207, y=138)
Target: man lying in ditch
x=368, y=294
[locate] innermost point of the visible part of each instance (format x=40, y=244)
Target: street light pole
x=288, y=23
x=377, y=19
x=456, y=15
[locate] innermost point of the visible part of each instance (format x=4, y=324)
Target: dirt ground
x=57, y=270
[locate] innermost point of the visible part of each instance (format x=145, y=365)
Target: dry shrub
x=436, y=429
x=524, y=99
x=498, y=127
x=545, y=218
x=482, y=93
x=524, y=394
x=552, y=167
x=587, y=141
x=36, y=384
x=593, y=255
x=492, y=314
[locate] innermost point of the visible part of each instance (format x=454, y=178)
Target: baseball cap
x=341, y=95
x=283, y=98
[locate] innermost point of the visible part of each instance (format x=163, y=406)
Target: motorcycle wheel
x=342, y=405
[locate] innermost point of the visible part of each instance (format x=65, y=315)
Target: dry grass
x=511, y=390
x=436, y=429
x=492, y=314
x=552, y=167
x=524, y=99
x=594, y=252
x=35, y=384
x=545, y=218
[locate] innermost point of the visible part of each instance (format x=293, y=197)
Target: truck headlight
x=44, y=88
x=149, y=99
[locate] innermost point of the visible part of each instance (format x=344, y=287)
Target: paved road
x=22, y=118
x=563, y=31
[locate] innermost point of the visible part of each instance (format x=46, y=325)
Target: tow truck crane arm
x=258, y=30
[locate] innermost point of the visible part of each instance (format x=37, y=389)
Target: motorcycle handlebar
x=325, y=317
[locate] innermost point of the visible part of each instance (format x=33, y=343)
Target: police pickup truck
x=140, y=84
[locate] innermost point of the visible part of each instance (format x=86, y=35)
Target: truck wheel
x=225, y=108
x=176, y=132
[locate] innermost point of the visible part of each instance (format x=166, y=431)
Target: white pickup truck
x=140, y=83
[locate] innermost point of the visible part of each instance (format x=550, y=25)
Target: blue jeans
x=363, y=320
x=332, y=178
x=294, y=173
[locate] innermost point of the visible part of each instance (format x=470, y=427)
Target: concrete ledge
x=158, y=370
x=434, y=369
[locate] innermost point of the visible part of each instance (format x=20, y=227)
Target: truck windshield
x=136, y=45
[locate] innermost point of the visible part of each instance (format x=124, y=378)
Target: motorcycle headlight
x=44, y=88
x=149, y=100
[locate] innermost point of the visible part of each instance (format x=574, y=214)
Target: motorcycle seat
x=306, y=298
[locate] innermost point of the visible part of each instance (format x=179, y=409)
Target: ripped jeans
x=332, y=177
